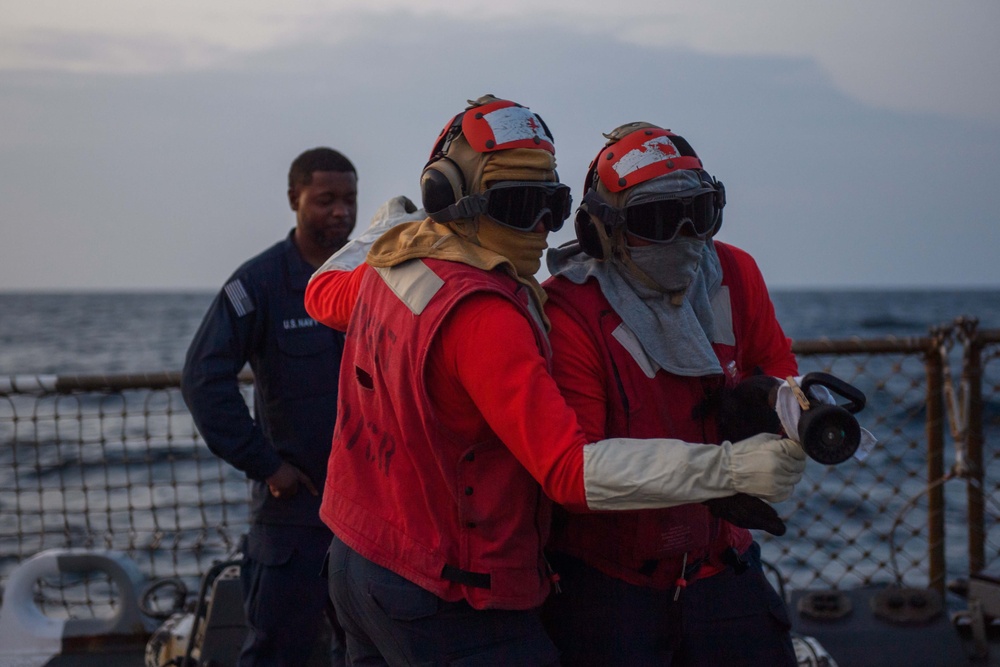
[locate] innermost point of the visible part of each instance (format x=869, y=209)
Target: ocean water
x=845, y=516
x=127, y=332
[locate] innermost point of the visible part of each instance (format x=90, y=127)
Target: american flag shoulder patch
x=238, y=297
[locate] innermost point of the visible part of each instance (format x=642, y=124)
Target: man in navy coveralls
x=259, y=317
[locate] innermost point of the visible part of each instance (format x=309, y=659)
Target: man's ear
x=293, y=198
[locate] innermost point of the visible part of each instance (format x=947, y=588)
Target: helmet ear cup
x=441, y=186
x=592, y=235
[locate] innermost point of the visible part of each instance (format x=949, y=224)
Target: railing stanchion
x=935, y=467
x=972, y=380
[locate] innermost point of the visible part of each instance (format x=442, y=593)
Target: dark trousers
x=389, y=620
x=728, y=619
x=284, y=596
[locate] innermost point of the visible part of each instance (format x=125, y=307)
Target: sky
x=145, y=145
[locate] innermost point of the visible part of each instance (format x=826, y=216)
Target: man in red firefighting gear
x=452, y=435
x=651, y=320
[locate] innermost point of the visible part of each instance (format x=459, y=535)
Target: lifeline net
x=114, y=467
x=116, y=463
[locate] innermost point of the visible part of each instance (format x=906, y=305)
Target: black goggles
x=662, y=220
x=521, y=204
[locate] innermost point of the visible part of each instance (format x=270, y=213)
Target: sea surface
x=81, y=333
x=107, y=333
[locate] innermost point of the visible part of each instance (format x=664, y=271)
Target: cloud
x=57, y=51
x=904, y=55
x=170, y=180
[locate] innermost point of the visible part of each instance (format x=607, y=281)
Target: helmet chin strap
x=619, y=248
x=466, y=228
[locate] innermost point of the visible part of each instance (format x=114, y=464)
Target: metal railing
x=913, y=512
x=115, y=462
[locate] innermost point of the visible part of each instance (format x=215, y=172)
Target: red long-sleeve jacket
x=613, y=397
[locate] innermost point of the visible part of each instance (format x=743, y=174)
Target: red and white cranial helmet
x=468, y=147
x=491, y=124
x=638, y=152
x=649, y=181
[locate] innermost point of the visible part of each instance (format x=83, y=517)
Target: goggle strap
x=602, y=210
x=466, y=207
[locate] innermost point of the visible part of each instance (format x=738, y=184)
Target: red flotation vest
x=460, y=519
x=648, y=547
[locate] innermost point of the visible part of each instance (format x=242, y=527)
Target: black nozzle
x=829, y=433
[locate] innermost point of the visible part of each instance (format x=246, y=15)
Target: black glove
x=742, y=412
x=747, y=410
x=747, y=511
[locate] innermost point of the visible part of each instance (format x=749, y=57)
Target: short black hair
x=317, y=159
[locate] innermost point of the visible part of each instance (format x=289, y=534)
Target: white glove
x=396, y=211
x=630, y=474
x=766, y=465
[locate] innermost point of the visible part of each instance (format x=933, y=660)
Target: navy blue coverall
x=259, y=317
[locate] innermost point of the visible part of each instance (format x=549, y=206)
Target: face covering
x=523, y=249
x=672, y=265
